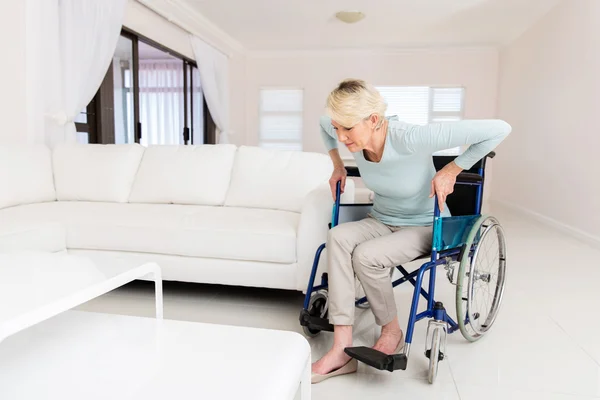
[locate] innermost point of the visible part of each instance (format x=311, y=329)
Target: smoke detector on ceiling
x=349, y=17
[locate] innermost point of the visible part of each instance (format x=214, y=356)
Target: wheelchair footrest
x=313, y=322
x=377, y=359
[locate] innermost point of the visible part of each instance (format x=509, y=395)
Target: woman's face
x=357, y=137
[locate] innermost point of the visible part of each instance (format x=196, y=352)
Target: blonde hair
x=354, y=100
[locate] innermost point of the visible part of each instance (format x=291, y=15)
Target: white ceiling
x=264, y=25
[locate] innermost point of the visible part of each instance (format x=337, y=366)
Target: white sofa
x=218, y=214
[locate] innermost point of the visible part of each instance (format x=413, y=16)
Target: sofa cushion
x=95, y=172
x=33, y=236
x=275, y=179
x=184, y=230
x=184, y=175
x=25, y=175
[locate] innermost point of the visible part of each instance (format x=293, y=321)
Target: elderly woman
x=395, y=162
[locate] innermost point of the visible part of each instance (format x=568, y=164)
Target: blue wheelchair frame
x=449, y=236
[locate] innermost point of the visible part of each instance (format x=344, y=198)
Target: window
x=150, y=95
x=421, y=105
x=280, y=119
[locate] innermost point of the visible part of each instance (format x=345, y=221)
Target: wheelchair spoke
x=478, y=309
x=482, y=290
x=487, y=253
x=487, y=299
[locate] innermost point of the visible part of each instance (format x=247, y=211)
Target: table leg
x=305, y=384
x=158, y=292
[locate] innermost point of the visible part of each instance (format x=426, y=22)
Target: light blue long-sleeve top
x=401, y=180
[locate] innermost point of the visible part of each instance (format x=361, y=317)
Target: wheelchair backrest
x=463, y=201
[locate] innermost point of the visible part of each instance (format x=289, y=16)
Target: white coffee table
x=82, y=355
x=48, y=351
x=36, y=286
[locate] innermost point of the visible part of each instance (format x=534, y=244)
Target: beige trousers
x=368, y=249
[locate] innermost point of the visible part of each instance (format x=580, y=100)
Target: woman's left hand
x=443, y=182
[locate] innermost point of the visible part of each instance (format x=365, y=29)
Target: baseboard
x=576, y=233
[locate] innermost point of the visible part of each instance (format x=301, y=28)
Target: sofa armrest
x=313, y=227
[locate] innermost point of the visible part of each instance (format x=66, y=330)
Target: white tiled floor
x=545, y=344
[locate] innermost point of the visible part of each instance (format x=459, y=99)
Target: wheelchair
x=472, y=249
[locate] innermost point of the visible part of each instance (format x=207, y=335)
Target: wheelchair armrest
x=469, y=177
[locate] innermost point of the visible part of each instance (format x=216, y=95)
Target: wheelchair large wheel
x=317, y=307
x=481, y=277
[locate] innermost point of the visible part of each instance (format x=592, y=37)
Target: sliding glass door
x=162, y=97
x=150, y=95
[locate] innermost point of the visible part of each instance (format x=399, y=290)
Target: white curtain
x=198, y=109
x=214, y=76
x=42, y=68
x=161, y=101
x=79, y=38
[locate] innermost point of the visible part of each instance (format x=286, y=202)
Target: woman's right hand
x=339, y=174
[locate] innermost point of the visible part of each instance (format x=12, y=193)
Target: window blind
x=421, y=105
x=281, y=119
x=447, y=100
x=410, y=104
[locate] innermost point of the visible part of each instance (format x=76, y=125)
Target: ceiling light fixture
x=349, y=17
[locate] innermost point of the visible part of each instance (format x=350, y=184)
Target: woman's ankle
x=391, y=328
x=342, y=336
x=339, y=347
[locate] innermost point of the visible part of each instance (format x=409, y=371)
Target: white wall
x=147, y=23
x=13, y=107
x=318, y=74
x=549, y=86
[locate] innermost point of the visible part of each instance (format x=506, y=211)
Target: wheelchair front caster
x=310, y=332
x=314, y=320
x=434, y=354
x=436, y=350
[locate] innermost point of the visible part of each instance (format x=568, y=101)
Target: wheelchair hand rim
x=466, y=317
x=499, y=290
